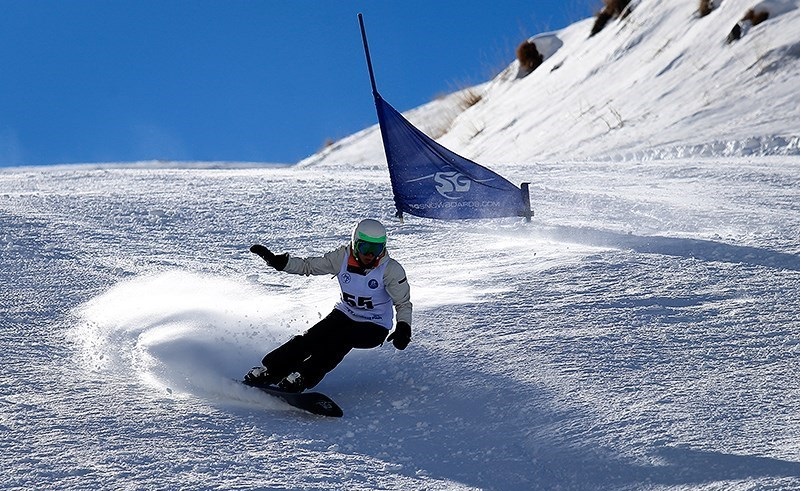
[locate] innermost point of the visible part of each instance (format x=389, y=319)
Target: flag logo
x=451, y=185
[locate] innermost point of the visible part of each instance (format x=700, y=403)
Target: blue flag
x=430, y=181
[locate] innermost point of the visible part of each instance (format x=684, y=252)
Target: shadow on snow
x=704, y=250
x=487, y=431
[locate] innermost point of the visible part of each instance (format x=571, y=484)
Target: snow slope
x=641, y=333
x=662, y=83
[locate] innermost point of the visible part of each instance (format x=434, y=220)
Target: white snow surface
x=642, y=332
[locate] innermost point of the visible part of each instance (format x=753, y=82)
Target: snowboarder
x=371, y=282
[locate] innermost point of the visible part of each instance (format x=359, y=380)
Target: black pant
x=322, y=347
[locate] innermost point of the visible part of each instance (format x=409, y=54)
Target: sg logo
x=448, y=184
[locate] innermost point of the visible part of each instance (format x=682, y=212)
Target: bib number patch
x=358, y=302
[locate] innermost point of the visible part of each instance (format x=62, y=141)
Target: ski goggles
x=374, y=248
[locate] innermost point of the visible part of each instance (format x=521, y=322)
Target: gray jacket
x=394, y=277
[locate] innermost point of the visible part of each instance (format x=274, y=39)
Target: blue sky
x=257, y=81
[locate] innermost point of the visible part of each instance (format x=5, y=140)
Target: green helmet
x=369, y=236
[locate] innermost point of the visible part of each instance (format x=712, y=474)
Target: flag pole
x=375, y=94
x=527, y=213
x=368, y=58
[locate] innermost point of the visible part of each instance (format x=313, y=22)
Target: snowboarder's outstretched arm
x=277, y=262
x=330, y=263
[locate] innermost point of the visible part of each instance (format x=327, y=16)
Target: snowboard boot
x=292, y=383
x=260, y=376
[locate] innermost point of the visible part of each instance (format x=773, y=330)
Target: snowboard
x=312, y=402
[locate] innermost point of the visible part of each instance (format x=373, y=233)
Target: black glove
x=401, y=335
x=277, y=262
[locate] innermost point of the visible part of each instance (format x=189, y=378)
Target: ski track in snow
x=641, y=333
